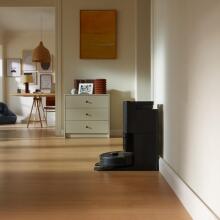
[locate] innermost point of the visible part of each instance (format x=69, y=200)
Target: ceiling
x=27, y=19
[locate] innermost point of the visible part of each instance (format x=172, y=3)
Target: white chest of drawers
x=87, y=115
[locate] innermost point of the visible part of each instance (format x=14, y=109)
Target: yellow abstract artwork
x=98, y=34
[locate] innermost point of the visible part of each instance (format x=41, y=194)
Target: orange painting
x=98, y=34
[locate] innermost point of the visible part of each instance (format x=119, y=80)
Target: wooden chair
x=50, y=105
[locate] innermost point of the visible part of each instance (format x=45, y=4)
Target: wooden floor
x=43, y=177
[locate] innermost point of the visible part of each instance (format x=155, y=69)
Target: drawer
x=87, y=114
x=87, y=101
x=87, y=127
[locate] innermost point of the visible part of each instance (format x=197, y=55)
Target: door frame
x=58, y=41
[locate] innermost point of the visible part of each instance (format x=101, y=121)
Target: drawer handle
x=87, y=127
x=88, y=102
x=87, y=114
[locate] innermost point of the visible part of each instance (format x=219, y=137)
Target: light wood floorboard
x=44, y=177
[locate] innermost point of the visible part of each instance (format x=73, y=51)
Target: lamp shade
x=27, y=79
x=41, y=54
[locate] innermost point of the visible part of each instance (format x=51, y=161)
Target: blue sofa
x=6, y=116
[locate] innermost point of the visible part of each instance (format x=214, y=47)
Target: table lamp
x=26, y=79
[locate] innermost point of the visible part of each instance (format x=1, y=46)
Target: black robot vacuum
x=113, y=160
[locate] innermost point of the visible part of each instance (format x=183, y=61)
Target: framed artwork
x=85, y=88
x=45, y=81
x=27, y=65
x=13, y=67
x=34, y=76
x=78, y=81
x=44, y=69
x=98, y=34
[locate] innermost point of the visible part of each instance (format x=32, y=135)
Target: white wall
x=143, y=50
x=121, y=72
x=186, y=80
x=15, y=43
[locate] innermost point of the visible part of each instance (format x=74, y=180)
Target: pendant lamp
x=41, y=54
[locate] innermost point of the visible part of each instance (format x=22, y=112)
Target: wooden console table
x=37, y=103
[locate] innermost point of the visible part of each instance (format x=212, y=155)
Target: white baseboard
x=116, y=133
x=193, y=204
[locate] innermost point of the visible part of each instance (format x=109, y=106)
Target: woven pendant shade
x=41, y=54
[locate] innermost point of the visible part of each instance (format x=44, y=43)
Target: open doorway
x=22, y=29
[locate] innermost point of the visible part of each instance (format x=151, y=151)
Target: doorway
x=22, y=32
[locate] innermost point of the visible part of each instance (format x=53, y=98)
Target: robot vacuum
x=114, y=160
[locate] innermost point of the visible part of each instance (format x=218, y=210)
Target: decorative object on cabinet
x=27, y=65
x=45, y=81
x=87, y=115
x=78, y=81
x=98, y=34
x=100, y=86
x=85, y=88
x=73, y=91
x=13, y=67
x=26, y=79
